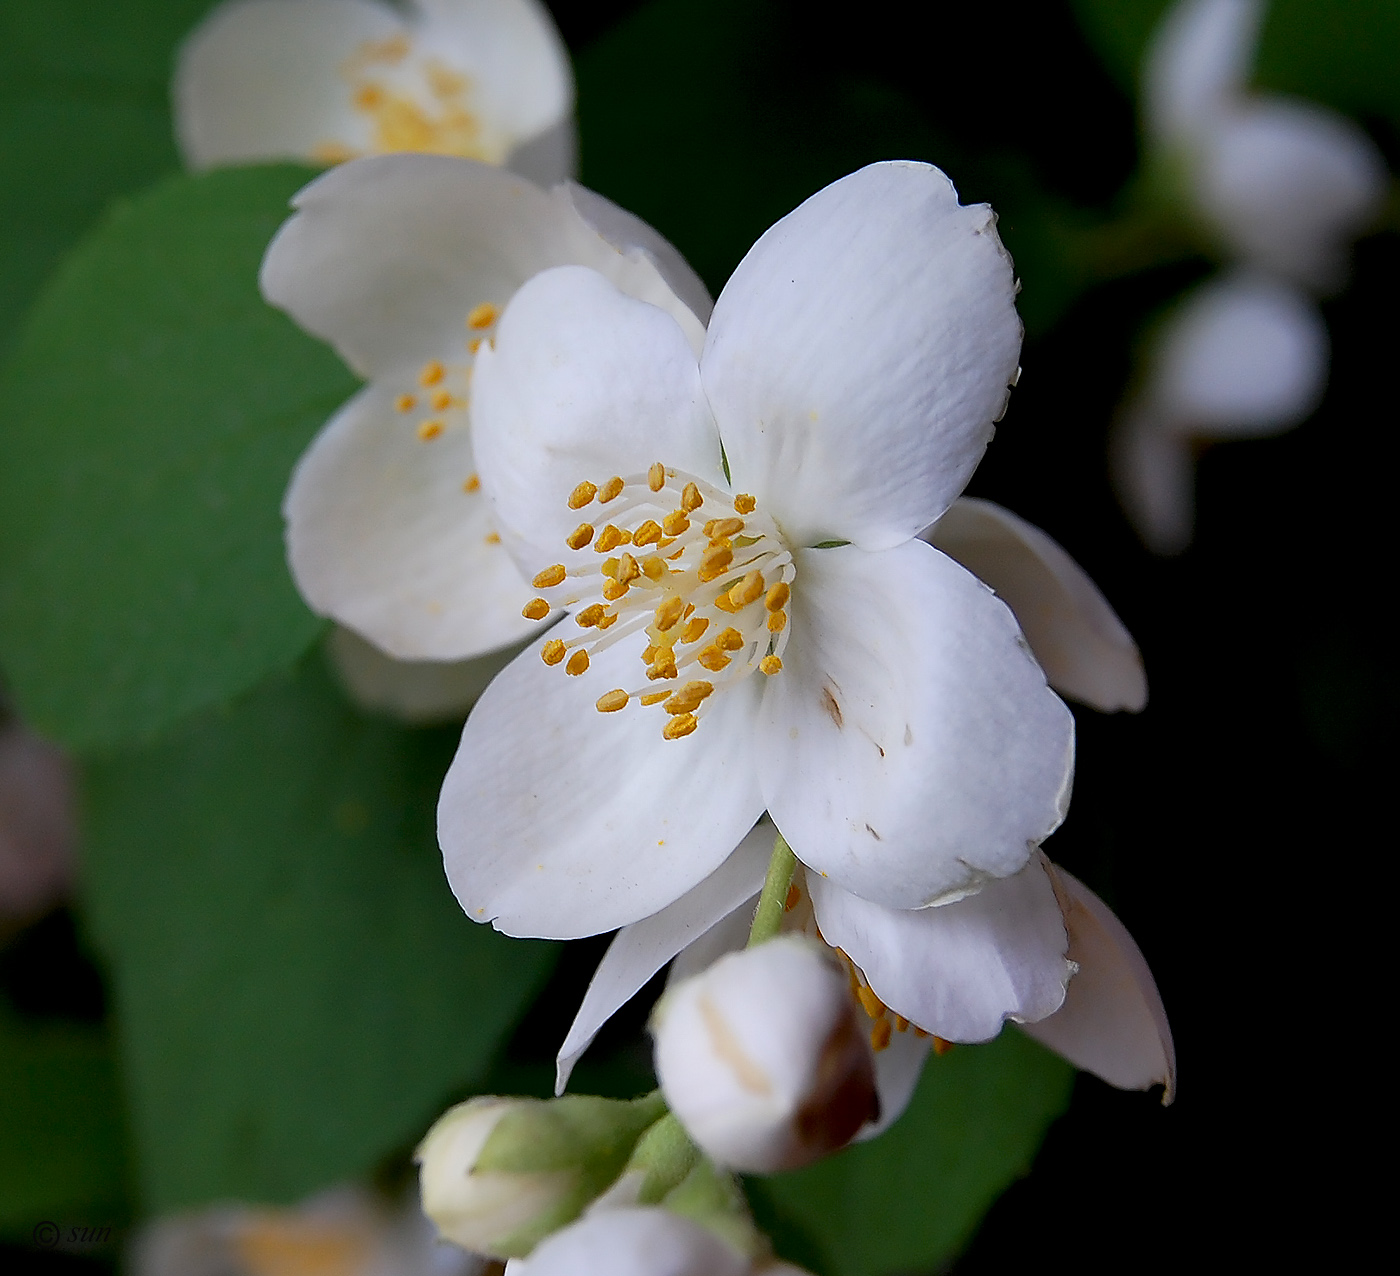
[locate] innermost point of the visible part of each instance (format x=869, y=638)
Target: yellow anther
x=880, y=1035
x=405, y=403
x=729, y=640
x=778, y=596
x=770, y=664
x=441, y=401
x=549, y=577
x=656, y=477
x=669, y=613
x=473, y=345
x=691, y=500
x=332, y=153
x=580, y=536
x=744, y=503
x=723, y=603
x=940, y=1047
x=552, y=652
x=648, y=533
x=613, y=701
x=430, y=430
x=654, y=568
x=688, y=612
x=610, y=568
x=777, y=622
x=689, y=697
x=578, y=663
x=492, y=538
x=611, y=490
x=649, y=654
x=482, y=316
x=369, y=98
x=472, y=484
x=901, y=1024
x=695, y=630
x=611, y=537
x=794, y=897
x=654, y=697
x=663, y=668
x=713, y=659
x=874, y=1007
x=679, y=726
x=715, y=562
x=751, y=587
x=535, y=609
x=608, y=621
x=433, y=372
x=720, y=528
x=591, y=615
x=627, y=569
x=675, y=523
x=582, y=494
x=614, y=589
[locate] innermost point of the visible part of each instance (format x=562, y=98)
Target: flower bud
x=498, y=1174
x=762, y=1057
x=634, y=1241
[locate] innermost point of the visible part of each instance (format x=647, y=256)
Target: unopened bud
x=635, y=1241
x=497, y=1174
x=762, y=1057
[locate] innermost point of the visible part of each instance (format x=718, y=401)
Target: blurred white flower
x=1281, y=188
x=328, y=80
x=782, y=639
x=404, y=263
x=762, y=1057
x=38, y=824
x=344, y=1232
x=633, y=1241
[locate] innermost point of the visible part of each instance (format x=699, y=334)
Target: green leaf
x=150, y=416
x=62, y=1142
x=911, y=1199
x=300, y=995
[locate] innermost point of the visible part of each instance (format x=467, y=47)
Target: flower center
x=711, y=592
x=411, y=103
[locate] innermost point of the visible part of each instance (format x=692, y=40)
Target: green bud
x=498, y=1175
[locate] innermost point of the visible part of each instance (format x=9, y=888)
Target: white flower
x=763, y=1059
x=871, y=694
x=1282, y=185
x=403, y=263
x=329, y=80
x=633, y=1241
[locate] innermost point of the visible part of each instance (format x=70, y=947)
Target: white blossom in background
x=763, y=1058
x=1280, y=188
x=38, y=825
x=753, y=622
x=343, y=1232
x=329, y=80
x=404, y=264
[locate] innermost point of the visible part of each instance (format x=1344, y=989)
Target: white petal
x=859, y=355
x=559, y=821
x=1289, y=184
x=910, y=747
x=1242, y=356
x=1086, y=652
x=521, y=80
x=638, y=951
x=1154, y=476
x=261, y=79
x=1112, y=1023
x=897, y=1070
x=549, y=158
x=413, y=691
x=387, y=256
x=584, y=383
x=959, y=970
x=1197, y=64
x=383, y=537
x=635, y=1241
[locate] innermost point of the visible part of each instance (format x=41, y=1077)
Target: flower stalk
x=772, y=903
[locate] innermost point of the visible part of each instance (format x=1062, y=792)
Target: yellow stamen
x=663, y=667
x=654, y=697
x=550, y=577
x=901, y=1024
x=482, y=316
x=695, y=630
x=430, y=430
x=729, y=640
x=744, y=503
x=747, y=590
x=669, y=613
x=689, y=697
x=715, y=562
x=941, y=1047
x=578, y=663
x=552, y=652
x=405, y=403
x=591, y=615
x=770, y=664
x=720, y=528
x=679, y=726
x=582, y=494
x=675, y=523
x=777, y=622
x=691, y=500
x=580, y=536
x=614, y=589
x=473, y=345
x=370, y=98
x=611, y=490
x=778, y=597
x=880, y=1035
x=656, y=477
x=493, y=538
x=441, y=401
x=627, y=569
x=612, y=701
x=535, y=609
x=794, y=897
x=713, y=659
x=874, y=1007
x=723, y=603
x=647, y=534
x=654, y=568
x=433, y=372
x=473, y=483
x=608, y=621
x=610, y=538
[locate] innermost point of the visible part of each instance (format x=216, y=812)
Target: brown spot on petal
x=832, y=708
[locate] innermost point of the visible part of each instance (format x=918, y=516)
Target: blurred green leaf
x=1340, y=52
x=911, y=1199
x=62, y=1152
x=299, y=993
x=150, y=416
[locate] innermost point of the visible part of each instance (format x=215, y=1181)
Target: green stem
x=768, y=918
